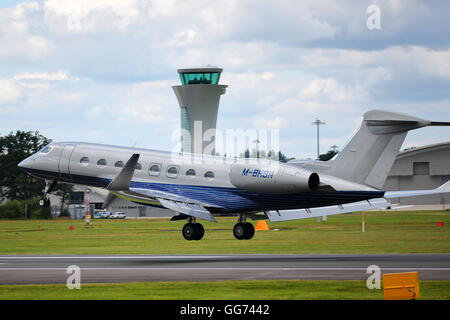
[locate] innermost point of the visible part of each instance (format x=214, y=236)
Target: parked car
x=106, y=215
x=98, y=215
x=117, y=215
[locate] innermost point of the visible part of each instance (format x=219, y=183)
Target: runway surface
x=137, y=268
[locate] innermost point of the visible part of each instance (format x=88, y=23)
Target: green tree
x=12, y=210
x=327, y=156
x=63, y=191
x=271, y=154
x=15, y=184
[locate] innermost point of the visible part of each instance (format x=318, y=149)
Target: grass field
x=385, y=232
x=218, y=290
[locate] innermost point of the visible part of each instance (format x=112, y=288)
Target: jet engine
x=273, y=178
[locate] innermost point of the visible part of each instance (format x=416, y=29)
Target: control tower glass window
x=200, y=78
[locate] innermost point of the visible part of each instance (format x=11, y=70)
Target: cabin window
x=190, y=173
x=172, y=171
x=118, y=164
x=138, y=166
x=154, y=169
x=101, y=163
x=209, y=175
x=84, y=161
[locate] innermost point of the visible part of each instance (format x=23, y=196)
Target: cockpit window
x=46, y=149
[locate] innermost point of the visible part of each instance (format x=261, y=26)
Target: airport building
x=425, y=167
x=199, y=97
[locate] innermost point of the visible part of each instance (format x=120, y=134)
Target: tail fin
x=369, y=156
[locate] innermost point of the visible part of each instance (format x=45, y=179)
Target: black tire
x=47, y=203
x=249, y=231
x=43, y=203
x=239, y=231
x=243, y=231
x=199, y=231
x=189, y=231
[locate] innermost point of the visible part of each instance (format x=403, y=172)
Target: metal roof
x=207, y=68
x=422, y=149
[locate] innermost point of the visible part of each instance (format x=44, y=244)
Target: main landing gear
x=193, y=230
x=44, y=202
x=241, y=231
x=50, y=186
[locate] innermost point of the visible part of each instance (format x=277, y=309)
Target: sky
x=101, y=71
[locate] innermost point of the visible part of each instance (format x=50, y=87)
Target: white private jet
x=201, y=187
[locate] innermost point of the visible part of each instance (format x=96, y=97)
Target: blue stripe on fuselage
x=230, y=199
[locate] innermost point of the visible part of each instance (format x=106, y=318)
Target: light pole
x=334, y=148
x=318, y=123
x=257, y=142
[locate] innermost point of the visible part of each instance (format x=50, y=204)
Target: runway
x=139, y=268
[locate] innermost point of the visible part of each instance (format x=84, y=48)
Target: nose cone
x=26, y=164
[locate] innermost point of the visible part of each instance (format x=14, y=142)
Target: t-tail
x=369, y=156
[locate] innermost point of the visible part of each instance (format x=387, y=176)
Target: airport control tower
x=199, y=97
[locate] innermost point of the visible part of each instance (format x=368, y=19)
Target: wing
x=378, y=203
x=188, y=206
x=445, y=188
x=284, y=215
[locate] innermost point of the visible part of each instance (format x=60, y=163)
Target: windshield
x=46, y=149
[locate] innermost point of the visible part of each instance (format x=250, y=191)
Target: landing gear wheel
x=44, y=203
x=193, y=231
x=243, y=231
x=250, y=232
x=199, y=231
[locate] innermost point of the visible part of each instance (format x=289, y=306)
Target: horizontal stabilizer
x=439, y=124
x=123, y=179
x=445, y=188
x=284, y=215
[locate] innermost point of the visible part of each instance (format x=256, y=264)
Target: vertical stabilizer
x=369, y=156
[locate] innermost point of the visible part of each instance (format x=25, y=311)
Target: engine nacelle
x=273, y=178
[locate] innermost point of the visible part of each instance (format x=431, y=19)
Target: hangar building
x=425, y=167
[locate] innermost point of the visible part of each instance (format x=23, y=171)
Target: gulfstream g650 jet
x=202, y=187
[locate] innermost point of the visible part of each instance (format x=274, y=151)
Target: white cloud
x=275, y=123
x=330, y=90
x=87, y=16
x=60, y=75
x=84, y=64
x=10, y=92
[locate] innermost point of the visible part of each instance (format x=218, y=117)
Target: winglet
x=445, y=187
x=109, y=198
x=123, y=179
